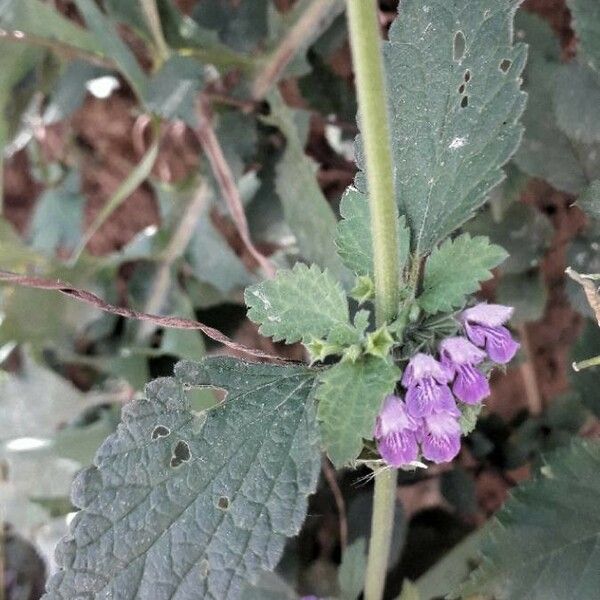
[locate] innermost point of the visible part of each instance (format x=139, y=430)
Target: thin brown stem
x=340, y=503
x=222, y=172
x=299, y=36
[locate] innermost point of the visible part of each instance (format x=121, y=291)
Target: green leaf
x=453, y=78
x=545, y=152
x=589, y=201
x=353, y=239
x=300, y=304
x=544, y=542
x=577, y=102
x=526, y=292
x=112, y=45
x=409, y=591
x=350, y=396
x=58, y=217
x=40, y=19
x=172, y=91
x=455, y=269
x=586, y=22
x=351, y=574
x=306, y=210
x=192, y=505
x=585, y=381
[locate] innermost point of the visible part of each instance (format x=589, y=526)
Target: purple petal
x=461, y=351
x=471, y=386
x=398, y=448
x=497, y=341
x=393, y=417
x=427, y=397
x=440, y=437
x=492, y=315
x=421, y=366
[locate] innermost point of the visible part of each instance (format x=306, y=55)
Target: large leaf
x=306, y=210
x=183, y=505
x=586, y=21
x=546, y=151
x=577, y=102
x=300, y=304
x=545, y=542
x=453, y=79
x=350, y=396
x=455, y=269
x=353, y=239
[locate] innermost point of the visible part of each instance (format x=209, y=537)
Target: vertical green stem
x=365, y=39
x=153, y=21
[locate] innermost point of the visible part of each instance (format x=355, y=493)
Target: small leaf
x=306, y=210
x=300, y=304
x=351, y=574
x=192, y=505
x=544, y=542
x=589, y=201
x=350, y=396
x=454, y=114
x=455, y=269
x=469, y=416
x=577, y=102
x=586, y=22
x=353, y=239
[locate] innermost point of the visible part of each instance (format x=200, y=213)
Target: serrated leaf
x=544, y=543
x=453, y=78
x=353, y=239
x=300, y=304
x=589, y=201
x=350, y=396
x=351, y=574
x=586, y=22
x=545, y=152
x=455, y=269
x=577, y=102
x=305, y=208
x=182, y=505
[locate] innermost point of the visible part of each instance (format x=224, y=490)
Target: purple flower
x=484, y=327
x=427, y=390
x=459, y=358
x=440, y=436
x=396, y=433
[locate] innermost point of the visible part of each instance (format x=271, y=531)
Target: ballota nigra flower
x=427, y=422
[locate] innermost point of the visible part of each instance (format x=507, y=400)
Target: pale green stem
x=365, y=39
x=153, y=21
x=586, y=364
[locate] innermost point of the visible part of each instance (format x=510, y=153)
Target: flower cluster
x=428, y=417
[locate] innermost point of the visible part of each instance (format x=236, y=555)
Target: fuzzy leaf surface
x=350, y=396
x=455, y=101
x=586, y=22
x=545, y=542
x=455, y=269
x=353, y=239
x=298, y=304
x=182, y=505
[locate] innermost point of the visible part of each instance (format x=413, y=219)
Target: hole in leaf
x=181, y=454
x=160, y=431
x=464, y=102
x=505, y=65
x=204, y=568
x=461, y=89
x=223, y=503
x=459, y=46
x=467, y=76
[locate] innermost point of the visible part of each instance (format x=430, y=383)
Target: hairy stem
x=382, y=525
x=153, y=21
x=370, y=85
x=365, y=40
